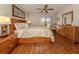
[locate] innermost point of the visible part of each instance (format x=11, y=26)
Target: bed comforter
x=35, y=32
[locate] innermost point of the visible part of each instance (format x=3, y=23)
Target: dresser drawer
x=68, y=28
x=77, y=34
x=68, y=32
x=8, y=45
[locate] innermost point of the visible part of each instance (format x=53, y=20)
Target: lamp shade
x=4, y=20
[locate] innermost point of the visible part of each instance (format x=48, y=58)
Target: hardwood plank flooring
x=60, y=46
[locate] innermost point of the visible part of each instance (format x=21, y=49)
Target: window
x=45, y=21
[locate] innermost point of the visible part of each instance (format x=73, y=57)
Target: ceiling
x=32, y=8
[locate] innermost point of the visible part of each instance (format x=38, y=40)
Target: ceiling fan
x=45, y=9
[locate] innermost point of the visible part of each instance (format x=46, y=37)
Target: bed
x=24, y=31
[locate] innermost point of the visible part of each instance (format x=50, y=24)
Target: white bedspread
x=35, y=32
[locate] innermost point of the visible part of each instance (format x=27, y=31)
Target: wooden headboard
x=16, y=20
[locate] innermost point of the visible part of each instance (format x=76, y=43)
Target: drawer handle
x=10, y=45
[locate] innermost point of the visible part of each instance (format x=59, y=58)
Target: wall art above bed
x=17, y=12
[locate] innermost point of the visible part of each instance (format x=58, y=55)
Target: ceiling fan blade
x=46, y=11
x=41, y=11
x=45, y=7
x=50, y=9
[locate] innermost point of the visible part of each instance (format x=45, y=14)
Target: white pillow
x=20, y=25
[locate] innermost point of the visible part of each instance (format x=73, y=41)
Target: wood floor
x=60, y=46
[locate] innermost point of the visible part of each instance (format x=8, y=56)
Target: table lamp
x=29, y=22
x=4, y=25
x=5, y=20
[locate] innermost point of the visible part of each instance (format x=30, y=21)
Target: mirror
x=67, y=18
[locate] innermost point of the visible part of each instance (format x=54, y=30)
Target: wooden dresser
x=70, y=32
x=7, y=44
x=76, y=34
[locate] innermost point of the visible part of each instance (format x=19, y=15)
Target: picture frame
x=17, y=12
x=67, y=18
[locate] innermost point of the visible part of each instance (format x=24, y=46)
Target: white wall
x=54, y=18
x=67, y=8
x=35, y=18
x=5, y=9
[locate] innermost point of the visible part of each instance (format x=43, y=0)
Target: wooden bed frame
x=34, y=40
x=28, y=40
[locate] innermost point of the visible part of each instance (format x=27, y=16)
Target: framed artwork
x=17, y=12
x=67, y=18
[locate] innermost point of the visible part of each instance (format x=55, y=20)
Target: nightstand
x=53, y=30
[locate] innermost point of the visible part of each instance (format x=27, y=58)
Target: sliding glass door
x=46, y=22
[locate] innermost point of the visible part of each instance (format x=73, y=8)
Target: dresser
x=76, y=34
x=70, y=32
x=7, y=44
